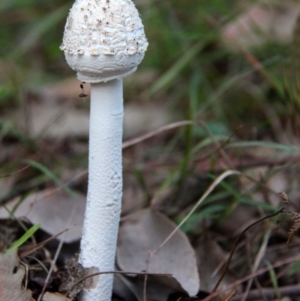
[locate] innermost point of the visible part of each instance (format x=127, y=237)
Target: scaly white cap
x=103, y=39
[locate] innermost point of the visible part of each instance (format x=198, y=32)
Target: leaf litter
x=144, y=245
x=51, y=208
x=275, y=20
x=11, y=278
x=143, y=233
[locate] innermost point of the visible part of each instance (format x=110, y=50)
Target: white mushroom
x=103, y=41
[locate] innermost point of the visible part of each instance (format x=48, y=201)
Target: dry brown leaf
x=54, y=297
x=52, y=208
x=6, y=185
x=211, y=259
x=11, y=277
x=124, y=288
x=145, y=232
x=132, y=288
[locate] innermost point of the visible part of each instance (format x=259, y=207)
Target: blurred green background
x=194, y=68
x=239, y=86
x=231, y=67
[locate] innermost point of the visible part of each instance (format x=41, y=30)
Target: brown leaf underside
x=11, y=276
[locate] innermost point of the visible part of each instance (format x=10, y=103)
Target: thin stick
x=15, y=172
x=220, y=147
x=260, y=254
x=115, y=272
x=156, y=132
x=204, y=196
x=40, y=245
x=257, y=273
x=270, y=293
x=236, y=242
x=55, y=257
x=231, y=294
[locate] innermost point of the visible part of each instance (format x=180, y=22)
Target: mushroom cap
x=103, y=39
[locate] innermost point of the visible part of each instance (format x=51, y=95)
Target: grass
x=239, y=102
x=29, y=233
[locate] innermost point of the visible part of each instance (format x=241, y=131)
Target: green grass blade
x=294, y=268
x=246, y=200
x=41, y=28
x=51, y=176
x=169, y=76
x=266, y=144
x=274, y=280
x=208, y=212
x=207, y=192
x=254, y=203
x=23, y=238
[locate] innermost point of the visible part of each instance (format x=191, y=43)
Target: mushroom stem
x=100, y=229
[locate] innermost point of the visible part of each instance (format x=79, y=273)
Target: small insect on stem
x=82, y=94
